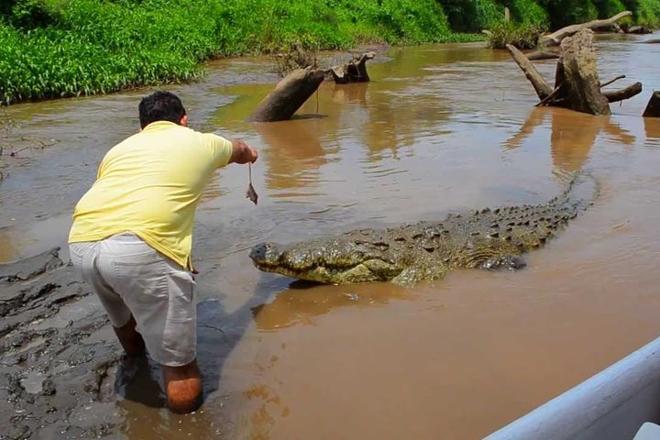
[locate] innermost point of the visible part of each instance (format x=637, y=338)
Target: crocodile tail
x=580, y=193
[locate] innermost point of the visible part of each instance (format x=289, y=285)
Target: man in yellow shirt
x=132, y=237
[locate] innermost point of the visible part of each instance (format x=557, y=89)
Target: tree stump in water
x=577, y=76
x=353, y=71
x=577, y=86
x=653, y=108
x=289, y=94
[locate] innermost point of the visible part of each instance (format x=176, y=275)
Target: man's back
x=150, y=184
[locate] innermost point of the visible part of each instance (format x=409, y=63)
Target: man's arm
x=242, y=152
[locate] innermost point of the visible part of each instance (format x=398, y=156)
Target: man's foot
x=183, y=386
x=130, y=339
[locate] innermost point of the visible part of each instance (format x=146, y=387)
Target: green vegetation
x=472, y=15
x=53, y=48
x=528, y=12
x=521, y=35
x=647, y=12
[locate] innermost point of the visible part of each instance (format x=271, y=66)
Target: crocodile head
x=332, y=261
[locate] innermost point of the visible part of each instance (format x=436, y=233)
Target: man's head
x=162, y=106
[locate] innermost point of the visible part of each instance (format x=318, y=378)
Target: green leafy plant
x=521, y=35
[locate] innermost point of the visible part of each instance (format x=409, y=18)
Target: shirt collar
x=159, y=124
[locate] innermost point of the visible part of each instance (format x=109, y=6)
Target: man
x=132, y=237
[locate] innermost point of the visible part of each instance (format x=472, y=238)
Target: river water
x=440, y=129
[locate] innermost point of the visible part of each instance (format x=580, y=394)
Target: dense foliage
x=52, y=48
x=521, y=35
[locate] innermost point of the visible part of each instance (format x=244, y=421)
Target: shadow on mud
x=218, y=332
x=138, y=379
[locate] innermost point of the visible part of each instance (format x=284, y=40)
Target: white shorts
x=131, y=278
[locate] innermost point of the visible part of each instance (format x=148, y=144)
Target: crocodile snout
x=265, y=254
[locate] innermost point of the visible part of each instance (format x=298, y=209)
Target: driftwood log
x=653, y=107
x=353, y=71
x=640, y=30
x=543, y=54
x=556, y=37
x=289, y=94
x=577, y=85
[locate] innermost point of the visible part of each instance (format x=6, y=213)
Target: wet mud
x=58, y=365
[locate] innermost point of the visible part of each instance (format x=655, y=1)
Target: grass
x=55, y=48
x=59, y=48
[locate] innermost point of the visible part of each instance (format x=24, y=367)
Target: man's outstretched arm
x=242, y=152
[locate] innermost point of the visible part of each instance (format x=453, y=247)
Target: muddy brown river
x=440, y=129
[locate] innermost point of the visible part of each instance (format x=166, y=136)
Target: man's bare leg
x=130, y=339
x=183, y=386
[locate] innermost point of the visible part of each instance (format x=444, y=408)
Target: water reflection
x=572, y=136
x=355, y=93
x=8, y=250
x=295, y=153
x=246, y=99
x=652, y=128
x=301, y=304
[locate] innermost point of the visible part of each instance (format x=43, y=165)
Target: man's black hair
x=161, y=106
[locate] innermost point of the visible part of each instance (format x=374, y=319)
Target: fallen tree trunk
x=627, y=93
x=556, y=37
x=353, y=71
x=640, y=30
x=655, y=41
x=538, y=55
x=289, y=94
x=653, y=107
x=577, y=85
x=543, y=90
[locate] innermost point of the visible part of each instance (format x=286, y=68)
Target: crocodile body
x=486, y=239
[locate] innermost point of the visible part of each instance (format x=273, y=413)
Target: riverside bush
x=472, y=15
x=528, y=12
x=521, y=35
x=53, y=48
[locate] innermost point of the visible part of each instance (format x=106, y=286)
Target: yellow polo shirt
x=149, y=185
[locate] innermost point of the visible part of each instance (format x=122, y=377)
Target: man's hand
x=242, y=152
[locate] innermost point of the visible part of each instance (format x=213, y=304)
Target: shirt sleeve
x=221, y=149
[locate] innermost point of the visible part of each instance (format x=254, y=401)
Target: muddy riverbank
x=440, y=129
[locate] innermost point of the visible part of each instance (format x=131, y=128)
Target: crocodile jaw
x=270, y=257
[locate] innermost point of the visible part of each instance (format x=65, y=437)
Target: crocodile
x=485, y=239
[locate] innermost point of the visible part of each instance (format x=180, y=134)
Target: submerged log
x=556, y=37
x=289, y=94
x=653, y=108
x=577, y=86
x=353, y=71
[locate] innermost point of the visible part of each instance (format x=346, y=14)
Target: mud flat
x=58, y=359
